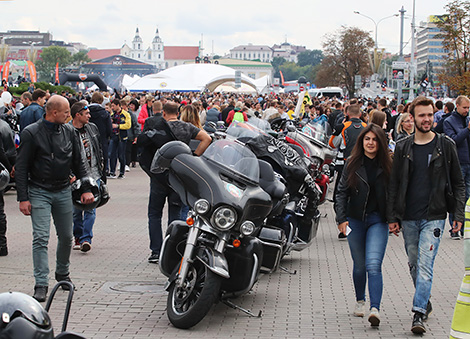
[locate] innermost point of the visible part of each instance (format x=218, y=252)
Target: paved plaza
x=120, y=295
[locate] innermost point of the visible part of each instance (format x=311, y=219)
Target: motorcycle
x=214, y=255
x=296, y=225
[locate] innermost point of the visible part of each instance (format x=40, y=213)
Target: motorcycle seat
x=268, y=182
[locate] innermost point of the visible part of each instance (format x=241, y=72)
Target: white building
x=262, y=53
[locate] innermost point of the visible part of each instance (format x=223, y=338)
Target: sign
x=238, y=79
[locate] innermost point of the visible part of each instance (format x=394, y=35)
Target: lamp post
x=376, y=23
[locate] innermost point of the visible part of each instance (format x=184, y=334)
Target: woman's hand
x=343, y=226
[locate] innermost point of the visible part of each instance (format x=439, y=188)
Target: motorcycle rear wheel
x=189, y=304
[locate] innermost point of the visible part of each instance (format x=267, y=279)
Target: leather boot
x=65, y=277
x=40, y=293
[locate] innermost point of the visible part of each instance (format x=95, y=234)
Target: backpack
x=238, y=116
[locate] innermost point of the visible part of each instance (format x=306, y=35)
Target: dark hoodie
x=101, y=118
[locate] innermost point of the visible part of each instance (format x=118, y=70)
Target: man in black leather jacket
x=49, y=150
x=417, y=192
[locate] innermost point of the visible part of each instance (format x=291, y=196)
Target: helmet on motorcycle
x=79, y=187
x=165, y=154
x=23, y=317
x=4, y=177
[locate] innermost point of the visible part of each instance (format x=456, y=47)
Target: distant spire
x=137, y=30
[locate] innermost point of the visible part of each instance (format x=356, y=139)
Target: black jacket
x=352, y=202
x=401, y=171
x=101, y=118
x=46, y=155
x=94, y=135
x=155, y=134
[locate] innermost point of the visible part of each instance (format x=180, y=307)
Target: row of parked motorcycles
x=253, y=197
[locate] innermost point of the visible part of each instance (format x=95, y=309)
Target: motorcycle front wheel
x=189, y=304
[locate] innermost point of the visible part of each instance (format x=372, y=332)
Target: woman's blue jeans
x=367, y=242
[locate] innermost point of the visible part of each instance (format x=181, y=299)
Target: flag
x=57, y=72
x=304, y=99
x=32, y=71
x=6, y=71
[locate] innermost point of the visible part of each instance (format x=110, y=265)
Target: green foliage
x=310, y=58
x=23, y=87
x=49, y=57
x=80, y=58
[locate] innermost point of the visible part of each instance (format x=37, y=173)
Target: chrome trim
x=188, y=253
x=278, y=257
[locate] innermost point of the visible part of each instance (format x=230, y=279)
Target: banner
x=304, y=99
x=6, y=71
x=32, y=71
x=56, y=73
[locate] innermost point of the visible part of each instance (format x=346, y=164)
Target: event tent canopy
x=189, y=78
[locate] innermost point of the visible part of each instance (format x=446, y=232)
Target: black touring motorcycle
x=220, y=250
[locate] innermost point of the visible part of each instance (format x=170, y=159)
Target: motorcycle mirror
x=291, y=128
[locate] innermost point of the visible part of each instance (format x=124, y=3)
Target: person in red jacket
x=237, y=113
x=145, y=111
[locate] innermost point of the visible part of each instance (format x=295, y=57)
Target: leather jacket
x=352, y=202
x=401, y=172
x=47, y=154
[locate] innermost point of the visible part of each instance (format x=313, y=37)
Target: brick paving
x=120, y=295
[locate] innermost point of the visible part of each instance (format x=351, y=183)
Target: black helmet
x=104, y=195
x=4, y=177
x=23, y=317
x=79, y=187
x=165, y=154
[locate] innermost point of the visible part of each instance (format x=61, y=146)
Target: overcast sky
x=223, y=24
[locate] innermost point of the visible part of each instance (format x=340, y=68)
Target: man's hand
x=87, y=198
x=343, y=226
x=456, y=226
x=12, y=173
x=25, y=207
x=394, y=227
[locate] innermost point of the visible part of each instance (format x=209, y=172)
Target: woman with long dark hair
x=360, y=210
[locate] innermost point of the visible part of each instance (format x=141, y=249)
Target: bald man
x=49, y=150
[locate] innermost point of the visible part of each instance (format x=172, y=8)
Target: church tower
x=137, y=46
x=158, y=54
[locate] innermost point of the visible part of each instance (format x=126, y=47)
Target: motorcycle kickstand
x=236, y=307
x=287, y=270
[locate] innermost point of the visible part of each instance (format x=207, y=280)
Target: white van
x=329, y=92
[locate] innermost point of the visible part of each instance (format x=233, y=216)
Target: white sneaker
x=374, y=317
x=128, y=169
x=360, y=309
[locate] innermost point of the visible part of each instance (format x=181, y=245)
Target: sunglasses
x=83, y=109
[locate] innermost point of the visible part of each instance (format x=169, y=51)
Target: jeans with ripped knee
x=422, y=238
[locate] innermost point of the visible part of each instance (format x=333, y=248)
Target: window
x=138, y=46
x=138, y=55
x=159, y=56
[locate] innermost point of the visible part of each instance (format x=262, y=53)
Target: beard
x=422, y=130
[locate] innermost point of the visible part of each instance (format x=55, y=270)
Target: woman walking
x=360, y=209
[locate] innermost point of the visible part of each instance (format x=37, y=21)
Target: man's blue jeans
x=422, y=238
x=117, y=149
x=367, y=241
x=43, y=204
x=83, y=222
x=159, y=192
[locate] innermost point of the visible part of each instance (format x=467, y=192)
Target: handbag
x=451, y=202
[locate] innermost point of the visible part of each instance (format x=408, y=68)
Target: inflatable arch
x=74, y=77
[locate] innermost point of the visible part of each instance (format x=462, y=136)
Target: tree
x=310, y=58
x=276, y=63
x=80, y=58
x=49, y=57
x=346, y=55
x=455, y=32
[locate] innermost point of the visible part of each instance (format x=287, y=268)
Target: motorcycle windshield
x=319, y=131
x=235, y=157
x=251, y=129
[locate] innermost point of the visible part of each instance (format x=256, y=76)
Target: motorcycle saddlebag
x=273, y=241
x=170, y=256
x=244, y=264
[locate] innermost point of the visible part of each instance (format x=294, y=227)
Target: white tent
x=189, y=78
x=128, y=80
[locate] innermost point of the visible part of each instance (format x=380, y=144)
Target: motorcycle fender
x=214, y=260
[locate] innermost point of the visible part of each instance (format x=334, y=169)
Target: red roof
x=181, y=52
x=96, y=54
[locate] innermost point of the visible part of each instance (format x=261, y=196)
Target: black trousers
x=3, y=222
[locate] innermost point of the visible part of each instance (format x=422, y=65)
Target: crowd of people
x=395, y=164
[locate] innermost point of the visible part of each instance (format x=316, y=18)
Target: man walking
x=416, y=200
x=49, y=149
x=158, y=131
x=117, y=147
x=83, y=221
x=35, y=111
x=457, y=127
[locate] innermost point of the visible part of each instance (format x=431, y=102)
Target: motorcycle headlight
x=224, y=218
x=202, y=206
x=247, y=228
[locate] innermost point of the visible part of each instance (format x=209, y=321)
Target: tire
x=188, y=306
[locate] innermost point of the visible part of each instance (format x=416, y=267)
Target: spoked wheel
x=188, y=305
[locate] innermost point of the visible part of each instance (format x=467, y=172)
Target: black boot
x=3, y=251
x=428, y=311
x=40, y=293
x=65, y=277
x=418, y=327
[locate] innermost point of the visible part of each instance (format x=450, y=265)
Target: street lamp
x=376, y=23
